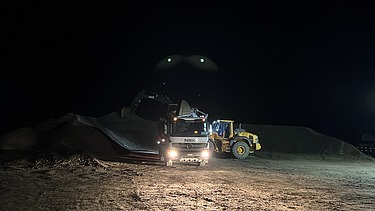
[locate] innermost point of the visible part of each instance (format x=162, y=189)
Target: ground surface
x=285, y=182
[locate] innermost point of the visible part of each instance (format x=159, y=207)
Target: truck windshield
x=189, y=128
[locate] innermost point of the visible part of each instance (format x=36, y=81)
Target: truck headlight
x=205, y=154
x=172, y=153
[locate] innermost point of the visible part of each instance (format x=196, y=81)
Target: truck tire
x=240, y=150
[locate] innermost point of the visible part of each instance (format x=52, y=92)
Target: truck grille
x=189, y=145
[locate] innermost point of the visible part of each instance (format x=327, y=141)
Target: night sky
x=305, y=64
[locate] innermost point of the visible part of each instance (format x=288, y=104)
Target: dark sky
x=303, y=63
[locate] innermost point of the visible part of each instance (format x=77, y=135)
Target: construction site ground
x=260, y=182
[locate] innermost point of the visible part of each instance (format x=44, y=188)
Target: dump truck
x=184, y=135
x=225, y=139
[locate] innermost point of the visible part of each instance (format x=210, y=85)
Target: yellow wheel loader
x=224, y=138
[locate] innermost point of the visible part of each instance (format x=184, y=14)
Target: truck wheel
x=169, y=162
x=240, y=150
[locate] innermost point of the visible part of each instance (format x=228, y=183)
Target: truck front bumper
x=188, y=156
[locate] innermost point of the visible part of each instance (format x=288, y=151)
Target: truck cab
x=185, y=138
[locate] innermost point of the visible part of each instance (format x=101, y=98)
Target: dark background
x=282, y=63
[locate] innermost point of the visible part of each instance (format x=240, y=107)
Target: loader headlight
x=172, y=153
x=205, y=154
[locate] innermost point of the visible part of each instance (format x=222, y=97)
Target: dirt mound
x=301, y=140
x=106, y=137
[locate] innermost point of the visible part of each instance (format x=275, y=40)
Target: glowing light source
x=169, y=60
x=162, y=141
x=202, y=60
x=205, y=154
x=172, y=153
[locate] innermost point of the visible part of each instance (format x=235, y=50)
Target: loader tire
x=240, y=150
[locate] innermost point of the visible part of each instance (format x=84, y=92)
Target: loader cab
x=223, y=128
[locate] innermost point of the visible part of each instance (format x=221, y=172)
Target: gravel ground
x=283, y=182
